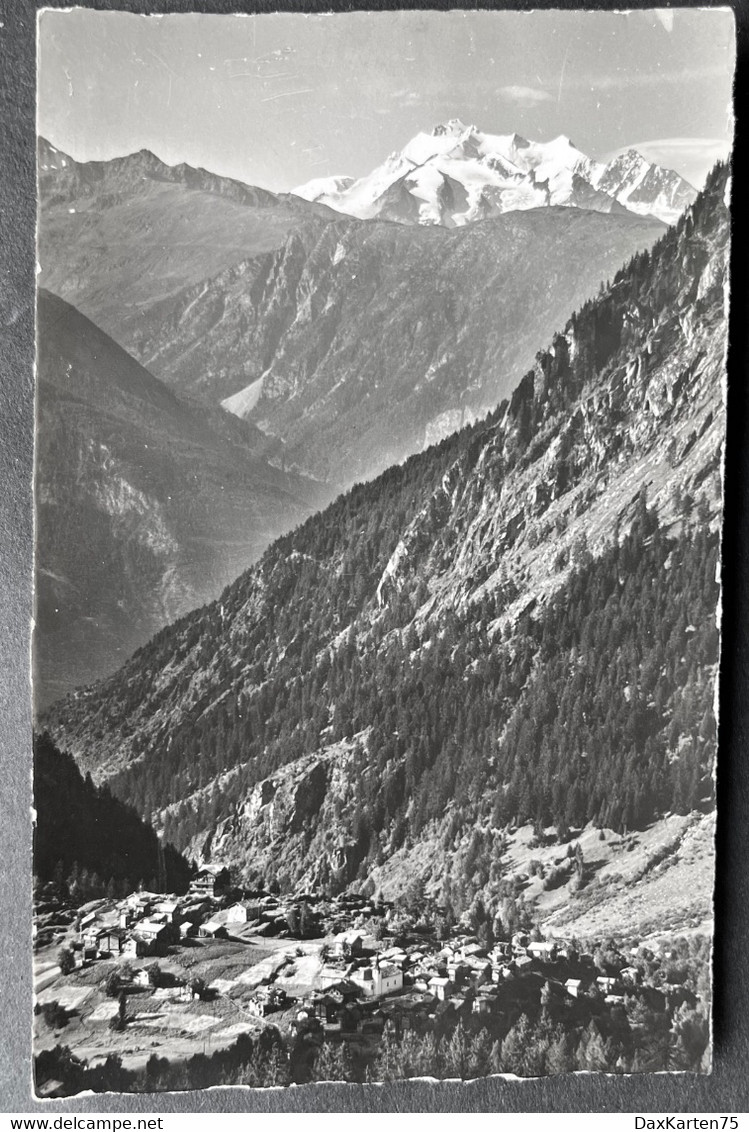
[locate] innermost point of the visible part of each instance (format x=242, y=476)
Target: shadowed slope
x=146, y=506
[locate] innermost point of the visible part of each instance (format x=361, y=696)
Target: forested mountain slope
x=146, y=506
x=518, y=625
x=89, y=841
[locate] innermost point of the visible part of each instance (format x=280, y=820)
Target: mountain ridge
x=116, y=236
x=126, y=171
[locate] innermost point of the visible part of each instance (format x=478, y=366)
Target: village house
x=234, y=914
x=479, y=971
x=170, y=909
x=267, y=902
x=394, y=1025
x=86, y=924
x=134, y=947
x=324, y=1006
x=330, y=975
x=83, y=954
x=212, y=929
x=543, y=950
x=378, y=979
x=140, y=903
x=222, y=920
x=472, y=951
x=348, y=944
x=439, y=987
x=204, y=883
x=194, y=909
x=90, y=941
x=163, y=920
x=574, y=987
x=207, y=882
x=307, y=1025
x=373, y=1023
x=413, y=1010
x=607, y=984
x=402, y=1015
x=457, y=971
x=110, y=941
x=486, y=1000
x=349, y=991
x=156, y=933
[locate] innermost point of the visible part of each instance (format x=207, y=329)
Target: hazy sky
x=275, y=100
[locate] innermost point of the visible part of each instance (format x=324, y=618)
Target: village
x=173, y=975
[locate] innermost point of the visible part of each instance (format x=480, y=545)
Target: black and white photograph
x=378, y=488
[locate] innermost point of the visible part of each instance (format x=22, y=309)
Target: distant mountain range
x=353, y=342
x=456, y=175
x=146, y=505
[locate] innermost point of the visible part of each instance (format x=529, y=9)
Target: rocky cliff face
x=295, y=816
x=387, y=681
x=146, y=506
x=356, y=344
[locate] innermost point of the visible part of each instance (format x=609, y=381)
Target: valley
x=455, y=650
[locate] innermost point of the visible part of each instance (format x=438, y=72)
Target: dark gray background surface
x=727, y=1089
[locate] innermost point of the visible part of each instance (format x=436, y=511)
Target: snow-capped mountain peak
x=456, y=174
x=454, y=128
